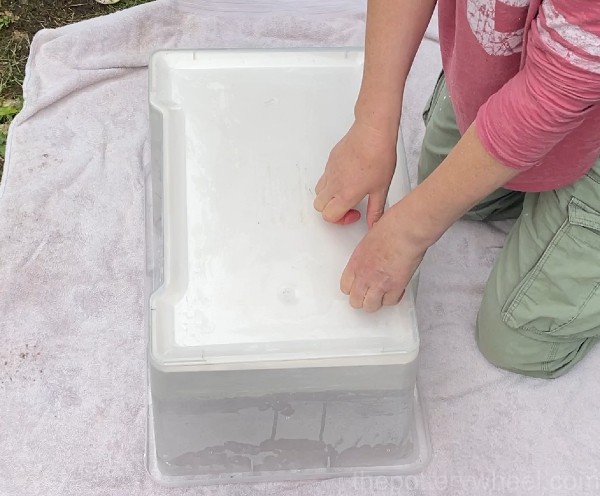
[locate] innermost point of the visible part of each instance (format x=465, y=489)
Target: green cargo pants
x=541, y=307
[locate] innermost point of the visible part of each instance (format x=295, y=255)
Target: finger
x=392, y=297
x=335, y=209
x=375, y=207
x=350, y=217
x=373, y=300
x=357, y=293
x=322, y=199
x=321, y=184
x=347, y=280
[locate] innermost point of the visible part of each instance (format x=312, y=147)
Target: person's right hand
x=361, y=164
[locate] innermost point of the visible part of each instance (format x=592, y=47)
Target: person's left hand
x=383, y=262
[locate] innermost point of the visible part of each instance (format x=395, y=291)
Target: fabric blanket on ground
x=72, y=359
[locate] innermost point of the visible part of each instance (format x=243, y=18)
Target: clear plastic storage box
x=259, y=369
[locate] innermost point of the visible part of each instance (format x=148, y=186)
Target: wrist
x=379, y=112
x=412, y=217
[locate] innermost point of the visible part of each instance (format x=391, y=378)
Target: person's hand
x=384, y=262
x=361, y=164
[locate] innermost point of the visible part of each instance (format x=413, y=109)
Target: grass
x=19, y=21
x=8, y=110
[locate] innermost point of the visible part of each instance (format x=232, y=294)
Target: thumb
x=375, y=207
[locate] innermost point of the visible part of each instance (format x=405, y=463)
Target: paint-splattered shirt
x=527, y=72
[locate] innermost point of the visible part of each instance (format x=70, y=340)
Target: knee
x=515, y=351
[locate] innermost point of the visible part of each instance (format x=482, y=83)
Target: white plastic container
x=259, y=368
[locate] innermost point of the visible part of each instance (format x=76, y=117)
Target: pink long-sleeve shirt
x=527, y=72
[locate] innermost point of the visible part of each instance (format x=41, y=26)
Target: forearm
x=395, y=29
x=467, y=175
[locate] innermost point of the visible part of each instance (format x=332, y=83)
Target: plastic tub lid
x=251, y=271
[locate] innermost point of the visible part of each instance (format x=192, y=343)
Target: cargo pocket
x=560, y=296
x=433, y=99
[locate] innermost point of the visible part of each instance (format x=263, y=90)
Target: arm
x=384, y=262
x=514, y=131
x=519, y=125
x=395, y=29
x=555, y=90
x=467, y=175
x=363, y=162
